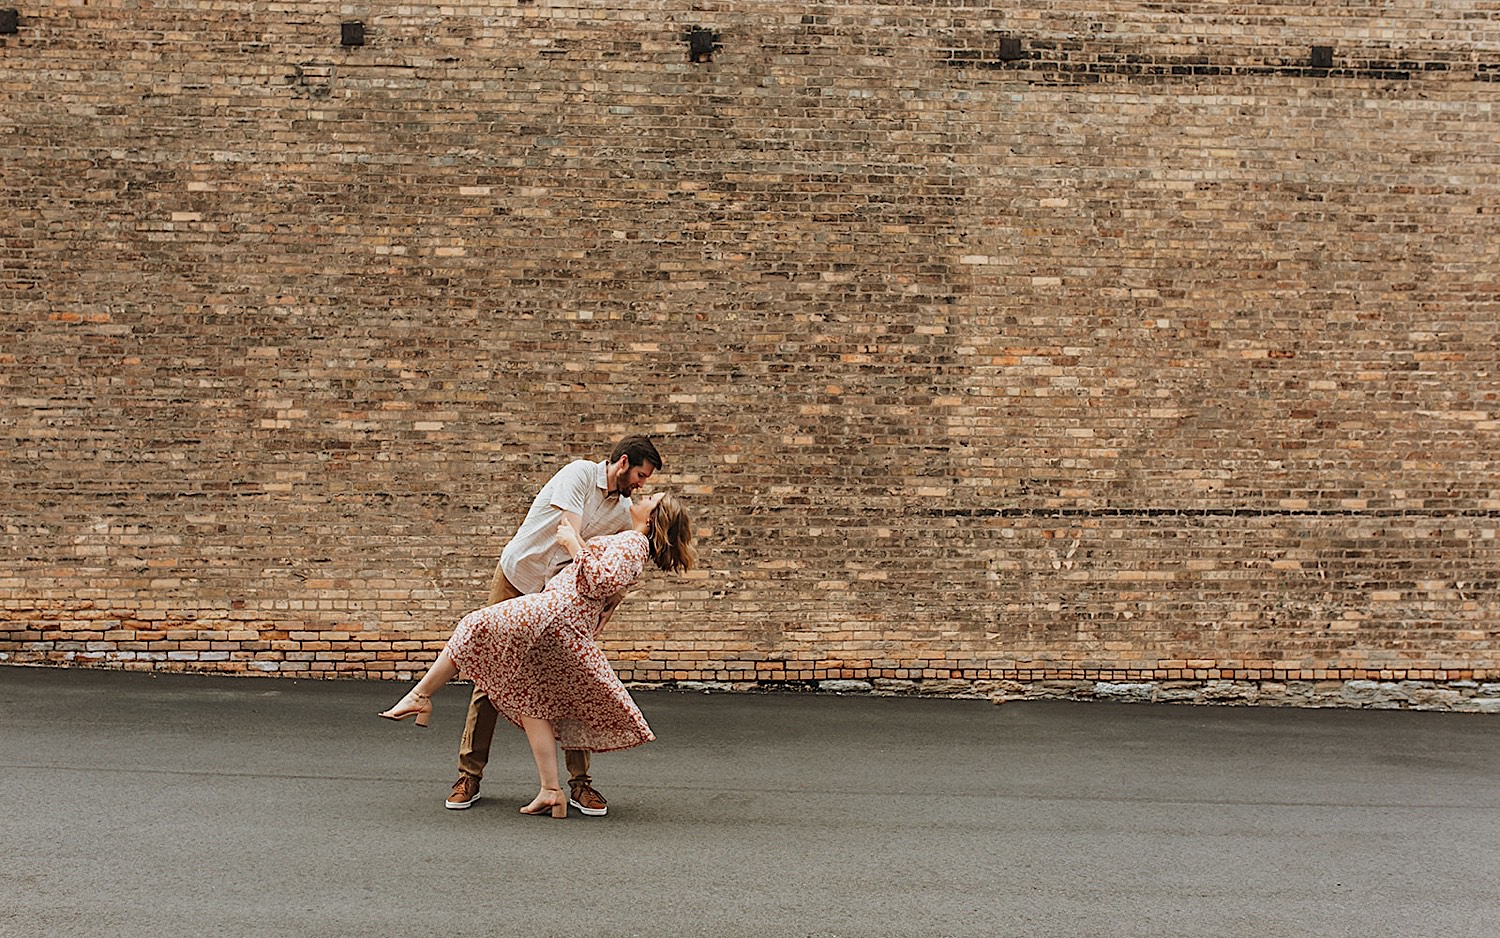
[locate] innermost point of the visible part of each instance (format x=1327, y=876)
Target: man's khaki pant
x=479, y=727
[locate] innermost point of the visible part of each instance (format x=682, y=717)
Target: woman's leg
x=544, y=750
x=418, y=700
x=442, y=671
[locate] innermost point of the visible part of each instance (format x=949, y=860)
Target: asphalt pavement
x=186, y=805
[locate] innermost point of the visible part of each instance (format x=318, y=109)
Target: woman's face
x=641, y=508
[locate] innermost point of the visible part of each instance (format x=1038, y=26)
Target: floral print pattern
x=535, y=655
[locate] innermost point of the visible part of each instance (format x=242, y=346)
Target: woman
x=535, y=657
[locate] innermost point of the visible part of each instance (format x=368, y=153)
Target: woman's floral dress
x=535, y=655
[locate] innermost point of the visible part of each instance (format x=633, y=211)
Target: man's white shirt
x=533, y=556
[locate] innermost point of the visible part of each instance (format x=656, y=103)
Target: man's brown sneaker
x=465, y=793
x=584, y=798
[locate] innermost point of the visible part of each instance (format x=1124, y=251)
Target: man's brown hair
x=639, y=448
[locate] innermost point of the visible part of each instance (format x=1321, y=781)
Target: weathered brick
x=1151, y=355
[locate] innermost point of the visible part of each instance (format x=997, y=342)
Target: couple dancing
x=531, y=653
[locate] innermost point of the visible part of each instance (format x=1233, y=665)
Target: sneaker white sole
x=459, y=805
x=591, y=812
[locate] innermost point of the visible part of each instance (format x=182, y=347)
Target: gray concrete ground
x=188, y=805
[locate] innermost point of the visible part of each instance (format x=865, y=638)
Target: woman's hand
x=569, y=539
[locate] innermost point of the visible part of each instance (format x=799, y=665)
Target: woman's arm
x=567, y=536
x=608, y=565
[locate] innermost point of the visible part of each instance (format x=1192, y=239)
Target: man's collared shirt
x=533, y=556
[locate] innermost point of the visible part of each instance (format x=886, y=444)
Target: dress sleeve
x=607, y=565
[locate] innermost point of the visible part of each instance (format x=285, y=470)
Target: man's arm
x=568, y=491
x=609, y=607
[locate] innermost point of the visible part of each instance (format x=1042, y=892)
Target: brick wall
x=997, y=348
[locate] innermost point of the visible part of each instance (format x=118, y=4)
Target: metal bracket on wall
x=316, y=78
x=702, y=44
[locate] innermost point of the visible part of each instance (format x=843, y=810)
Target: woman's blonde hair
x=671, y=535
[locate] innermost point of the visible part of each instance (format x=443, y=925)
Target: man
x=595, y=499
